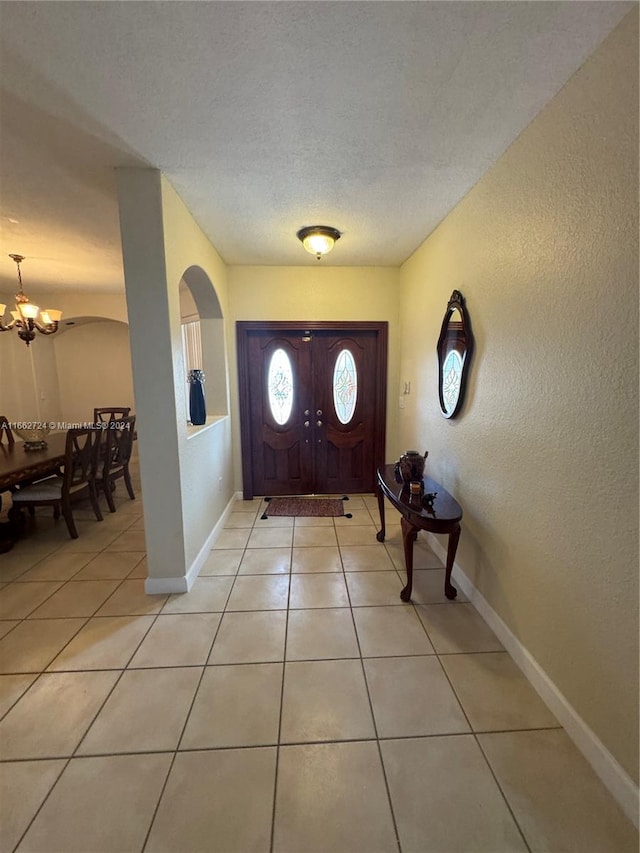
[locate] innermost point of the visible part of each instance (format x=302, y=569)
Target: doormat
x=308, y=507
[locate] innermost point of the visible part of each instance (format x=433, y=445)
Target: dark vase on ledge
x=197, y=409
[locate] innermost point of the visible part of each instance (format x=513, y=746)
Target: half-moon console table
x=442, y=514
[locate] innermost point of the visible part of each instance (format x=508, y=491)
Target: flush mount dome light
x=318, y=239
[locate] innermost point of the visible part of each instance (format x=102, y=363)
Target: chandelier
x=27, y=318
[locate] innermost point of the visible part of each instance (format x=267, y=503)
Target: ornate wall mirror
x=455, y=346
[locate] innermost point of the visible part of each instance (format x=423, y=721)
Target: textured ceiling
x=372, y=117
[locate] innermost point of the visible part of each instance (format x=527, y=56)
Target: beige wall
x=110, y=306
x=315, y=293
x=20, y=388
x=544, y=457
x=93, y=364
x=205, y=459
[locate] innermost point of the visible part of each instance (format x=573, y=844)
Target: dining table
x=18, y=464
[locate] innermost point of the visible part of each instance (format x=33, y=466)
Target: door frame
x=244, y=329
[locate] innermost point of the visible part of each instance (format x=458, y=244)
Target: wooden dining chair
x=5, y=431
x=110, y=413
x=115, y=462
x=6, y=438
x=78, y=480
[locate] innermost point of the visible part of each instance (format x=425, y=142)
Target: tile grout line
x=371, y=711
x=46, y=797
x=504, y=796
x=271, y=745
x=482, y=752
x=177, y=750
x=188, y=715
x=471, y=729
x=284, y=668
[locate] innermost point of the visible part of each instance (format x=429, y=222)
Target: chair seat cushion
x=45, y=490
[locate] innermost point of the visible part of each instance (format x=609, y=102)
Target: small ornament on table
x=428, y=501
x=415, y=492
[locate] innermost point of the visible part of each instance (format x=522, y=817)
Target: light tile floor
x=289, y=702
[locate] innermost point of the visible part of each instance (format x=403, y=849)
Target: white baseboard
x=612, y=774
x=156, y=586
x=164, y=586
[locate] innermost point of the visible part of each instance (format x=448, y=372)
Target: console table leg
x=449, y=589
x=381, y=533
x=409, y=535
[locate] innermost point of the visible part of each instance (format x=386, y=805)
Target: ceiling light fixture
x=318, y=239
x=25, y=317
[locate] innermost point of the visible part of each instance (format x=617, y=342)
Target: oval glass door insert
x=280, y=386
x=345, y=386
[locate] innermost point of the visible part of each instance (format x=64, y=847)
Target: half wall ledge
x=211, y=421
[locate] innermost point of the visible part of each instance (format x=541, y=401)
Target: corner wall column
x=150, y=317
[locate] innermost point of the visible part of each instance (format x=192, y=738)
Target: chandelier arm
x=48, y=329
x=7, y=327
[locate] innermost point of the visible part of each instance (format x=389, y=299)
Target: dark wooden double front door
x=312, y=406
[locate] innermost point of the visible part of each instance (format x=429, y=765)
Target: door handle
x=307, y=413
x=318, y=423
x=319, y=412
x=306, y=423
